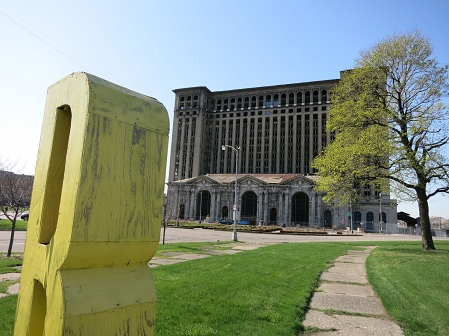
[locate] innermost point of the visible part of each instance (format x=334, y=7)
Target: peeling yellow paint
x=95, y=212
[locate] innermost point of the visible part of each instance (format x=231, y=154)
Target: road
x=177, y=235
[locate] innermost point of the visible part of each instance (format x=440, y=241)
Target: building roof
x=265, y=178
x=258, y=88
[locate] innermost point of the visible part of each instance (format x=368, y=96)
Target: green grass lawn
x=413, y=286
x=6, y=263
x=267, y=291
x=8, y=304
x=5, y=225
x=260, y=292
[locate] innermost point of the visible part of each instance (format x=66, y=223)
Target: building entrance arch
x=273, y=216
x=203, y=204
x=328, y=219
x=300, y=209
x=224, y=212
x=249, y=207
x=181, y=212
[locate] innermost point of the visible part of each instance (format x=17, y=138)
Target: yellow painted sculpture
x=95, y=212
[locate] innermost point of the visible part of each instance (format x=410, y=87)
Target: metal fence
x=389, y=228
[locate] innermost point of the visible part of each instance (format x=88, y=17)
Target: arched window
x=253, y=101
x=369, y=217
x=246, y=104
x=299, y=98
x=189, y=101
x=291, y=98
x=384, y=217
x=315, y=96
x=212, y=104
x=239, y=102
x=181, y=102
x=195, y=100
x=276, y=100
x=232, y=103
x=323, y=96
x=260, y=101
x=219, y=104
x=226, y=104
x=283, y=99
x=268, y=101
x=307, y=97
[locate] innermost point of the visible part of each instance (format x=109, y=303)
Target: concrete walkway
x=13, y=289
x=177, y=257
x=346, y=304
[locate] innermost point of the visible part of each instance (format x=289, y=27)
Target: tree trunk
x=426, y=234
x=11, y=240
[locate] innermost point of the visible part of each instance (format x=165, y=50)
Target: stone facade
x=276, y=199
x=278, y=131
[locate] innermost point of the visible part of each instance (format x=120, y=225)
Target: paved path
x=346, y=304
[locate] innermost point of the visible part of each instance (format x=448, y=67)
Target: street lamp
x=380, y=211
x=350, y=207
x=236, y=150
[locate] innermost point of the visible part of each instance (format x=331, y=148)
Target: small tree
x=15, y=196
x=390, y=125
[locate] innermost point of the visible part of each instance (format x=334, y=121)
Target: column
x=312, y=210
x=287, y=209
x=320, y=220
x=278, y=144
x=218, y=206
x=266, y=210
x=192, y=204
x=212, y=206
x=281, y=207
x=302, y=158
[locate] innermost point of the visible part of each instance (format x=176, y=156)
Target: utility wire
x=43, y=41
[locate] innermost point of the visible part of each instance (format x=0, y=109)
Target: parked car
x=25, y=216
x=225, y=221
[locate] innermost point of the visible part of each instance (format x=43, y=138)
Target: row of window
x=253, y=113
x=269, y=101
x=260, y=101
x=369, y=218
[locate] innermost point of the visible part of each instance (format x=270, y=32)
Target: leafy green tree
x=391, y=126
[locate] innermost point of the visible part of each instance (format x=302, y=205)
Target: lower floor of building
x=271, y=199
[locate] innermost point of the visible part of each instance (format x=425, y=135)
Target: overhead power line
x=43, y=41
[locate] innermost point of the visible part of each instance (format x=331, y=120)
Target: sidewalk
x=346, y=304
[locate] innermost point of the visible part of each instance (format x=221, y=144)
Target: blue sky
x=153, y=47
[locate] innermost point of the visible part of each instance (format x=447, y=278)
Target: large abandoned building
x=275, y=132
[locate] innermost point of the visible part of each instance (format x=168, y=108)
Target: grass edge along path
x=259, y=292
x=413, y=286
x=407, y=279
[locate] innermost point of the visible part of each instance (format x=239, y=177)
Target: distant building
x=279, y=130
